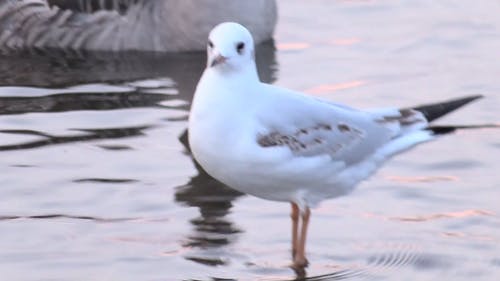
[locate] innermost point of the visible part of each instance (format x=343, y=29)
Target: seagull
x=282, y=145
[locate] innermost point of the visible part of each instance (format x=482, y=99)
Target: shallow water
x=97, y=182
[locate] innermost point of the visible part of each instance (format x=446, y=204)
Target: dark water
x=97, y=183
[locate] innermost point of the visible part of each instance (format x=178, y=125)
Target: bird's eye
x=239, y=47
x=210, y=44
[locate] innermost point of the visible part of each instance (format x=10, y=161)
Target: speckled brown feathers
x=310, y=141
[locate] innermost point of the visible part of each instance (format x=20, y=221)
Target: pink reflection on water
x=447, y=215
x=345, y=41
x=408, y=179
x=468, y=236
x=292, y=46
x=329, y=88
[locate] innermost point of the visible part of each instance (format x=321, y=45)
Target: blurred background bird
x=124, y=25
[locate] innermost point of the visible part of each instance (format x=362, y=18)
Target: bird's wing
x=312, y=127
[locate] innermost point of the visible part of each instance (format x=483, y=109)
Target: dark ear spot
x=240, y=47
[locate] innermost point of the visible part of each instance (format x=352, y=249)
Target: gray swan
x=125, y=25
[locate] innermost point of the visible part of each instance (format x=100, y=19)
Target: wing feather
x=345, y=134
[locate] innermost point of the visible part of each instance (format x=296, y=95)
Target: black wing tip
x=441, y=130
x=436, y=110
x=468, y=99
x=446, y=129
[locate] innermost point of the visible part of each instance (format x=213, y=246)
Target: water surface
x=97, y=182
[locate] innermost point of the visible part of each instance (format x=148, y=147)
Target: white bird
x=281, y=145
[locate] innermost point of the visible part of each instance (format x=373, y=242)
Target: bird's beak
x=218, y=60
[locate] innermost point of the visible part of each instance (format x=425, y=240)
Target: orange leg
x=295, y=228
x=300, y=255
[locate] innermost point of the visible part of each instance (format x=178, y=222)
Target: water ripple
x=338, y=275
x=103, y=180
x=90, y=134
x=63, y=216
x=447, y=215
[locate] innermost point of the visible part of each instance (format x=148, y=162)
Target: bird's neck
x=250, y=73
x=239, y=77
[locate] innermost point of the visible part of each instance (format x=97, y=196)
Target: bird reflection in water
x=56, y=69
x=214, y=200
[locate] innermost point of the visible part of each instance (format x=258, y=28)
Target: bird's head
x=230, y=46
